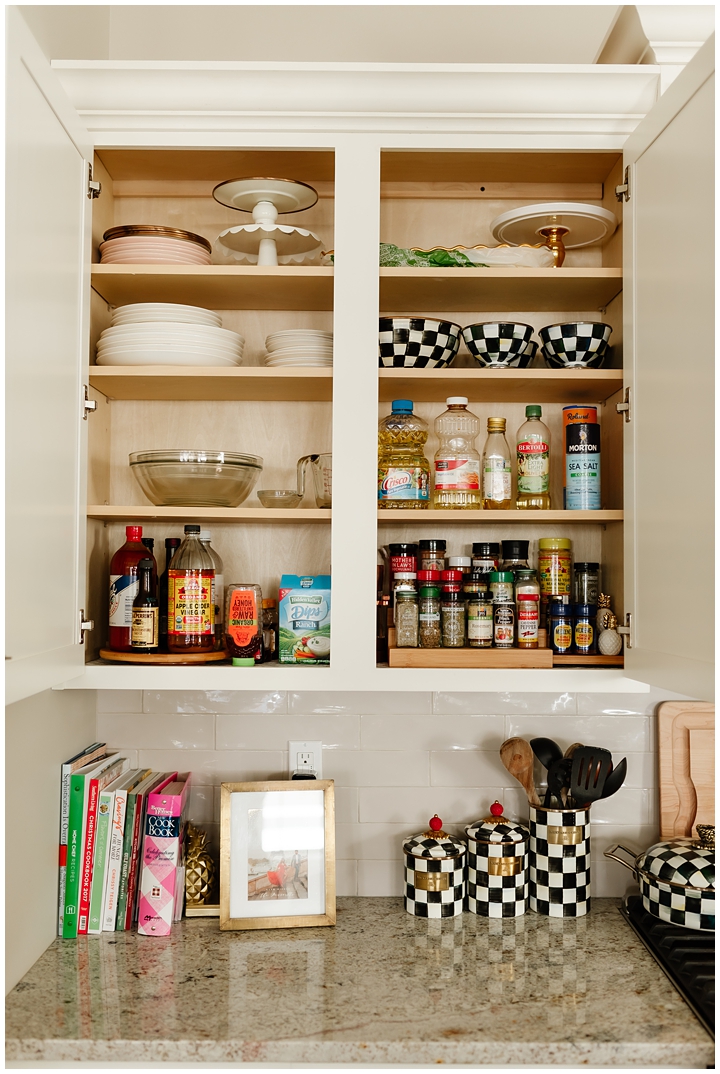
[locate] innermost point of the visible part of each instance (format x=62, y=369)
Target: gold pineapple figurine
x=199, y=868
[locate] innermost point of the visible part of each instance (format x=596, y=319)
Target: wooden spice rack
x=491, y=658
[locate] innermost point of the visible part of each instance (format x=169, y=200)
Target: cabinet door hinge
x=627, y=630
x=89, y=405
x=85, y=624
x=93, y=186
x=625, y=407
x=622, y=193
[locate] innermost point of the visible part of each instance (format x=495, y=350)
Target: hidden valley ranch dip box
x=304, y=619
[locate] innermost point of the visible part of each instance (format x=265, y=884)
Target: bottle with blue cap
x=403, y=470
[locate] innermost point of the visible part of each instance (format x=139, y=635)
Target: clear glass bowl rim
x=195, y=456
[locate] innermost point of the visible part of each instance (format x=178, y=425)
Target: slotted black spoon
x=591, y=766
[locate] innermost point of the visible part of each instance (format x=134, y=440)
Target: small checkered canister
x=434, y=873
x=559, y=860
x=497, y=876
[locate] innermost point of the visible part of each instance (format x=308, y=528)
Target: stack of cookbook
x=121, y=846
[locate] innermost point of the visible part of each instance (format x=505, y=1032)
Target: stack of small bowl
x=149, y=244
x=164, y=333
x=299, y=347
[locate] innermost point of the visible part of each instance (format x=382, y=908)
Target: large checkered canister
x=434, y=873
x=497, y=875
x=559, y=861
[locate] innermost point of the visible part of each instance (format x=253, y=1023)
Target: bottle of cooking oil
x=457, y=463
x=533, y=462
x=496, y=468
x=403, y=470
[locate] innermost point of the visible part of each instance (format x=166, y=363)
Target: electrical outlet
x=305, y=757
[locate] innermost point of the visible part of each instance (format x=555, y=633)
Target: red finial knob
x=496, y=809
x=436, y=823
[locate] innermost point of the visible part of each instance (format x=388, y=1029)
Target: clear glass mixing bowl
x=190, y=478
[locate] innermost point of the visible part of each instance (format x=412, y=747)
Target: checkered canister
x=559, y=861
x=434, y=873
x=497, y=875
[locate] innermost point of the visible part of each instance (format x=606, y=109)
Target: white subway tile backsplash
x=632, y=806
x=201, y=808
x=159, y=732
x=495, y=704
x=346, y=877
x=362, y=703
x=414, y=806
x=369, y=768
x=432, y=732
x=642, y=769
x=244, y=732
x=213, y=767
x=636, y=837
x=465, y=768
x=346, y=805
x=381, y=877
x=617, y=734
x=119, y=701
x=610, y=880
x=371, y=841
x=230, y=701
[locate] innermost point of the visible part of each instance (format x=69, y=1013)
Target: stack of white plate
x=194, y=338
x=299, y=346
x=147, y=244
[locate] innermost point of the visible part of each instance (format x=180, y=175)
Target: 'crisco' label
x=533, y=459
x=403, y=483
x=456, y=474
x=190, y=602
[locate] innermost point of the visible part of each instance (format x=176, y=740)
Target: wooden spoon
x=571, y=749
x=517, y=756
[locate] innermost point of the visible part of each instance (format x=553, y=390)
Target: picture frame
x=277, y=854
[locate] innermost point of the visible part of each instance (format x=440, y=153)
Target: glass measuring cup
x=322, y=477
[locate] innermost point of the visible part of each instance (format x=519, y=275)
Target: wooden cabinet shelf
x=500, y=385
x=416, y=290
x=513, y=517
x=202, y=383
x=148, y=513
x=218, y=287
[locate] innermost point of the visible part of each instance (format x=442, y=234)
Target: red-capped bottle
x=124, y=585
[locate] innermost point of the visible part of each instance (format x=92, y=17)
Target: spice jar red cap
x=428, y=576
x=452, y=576
x=528, y=596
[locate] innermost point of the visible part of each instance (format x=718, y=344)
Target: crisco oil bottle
x=457, y=463
x=124, y=585
x=191, y=611
x=533, y=462
x=403, y=470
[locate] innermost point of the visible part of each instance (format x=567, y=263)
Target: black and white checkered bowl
x=523, y=360
x=576, y=344
x=495, y=344
x=417, y=342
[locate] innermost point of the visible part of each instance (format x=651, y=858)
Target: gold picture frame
x=261, y=876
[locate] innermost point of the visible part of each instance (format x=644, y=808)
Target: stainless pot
x=676, y=878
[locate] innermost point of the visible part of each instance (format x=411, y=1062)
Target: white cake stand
x=265, y=242
x=565, y=225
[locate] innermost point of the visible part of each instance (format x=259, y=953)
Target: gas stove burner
x=686, y=956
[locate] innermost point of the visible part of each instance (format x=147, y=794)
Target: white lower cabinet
x=410, y=168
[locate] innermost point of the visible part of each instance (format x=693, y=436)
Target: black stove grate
x=686, y=956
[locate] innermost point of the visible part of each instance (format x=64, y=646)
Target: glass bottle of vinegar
x=496, y=468
x=191, y=611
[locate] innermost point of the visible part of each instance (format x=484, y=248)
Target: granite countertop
x=381, y=987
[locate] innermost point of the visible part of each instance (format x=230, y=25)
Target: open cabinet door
x=669, y=368
x=47, y=287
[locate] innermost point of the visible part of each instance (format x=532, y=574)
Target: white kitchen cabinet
x=157, y=130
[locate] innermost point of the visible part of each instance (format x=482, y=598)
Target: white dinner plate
x=165, y=312
x=164, y=329
x=160, y=348
x=169, y=357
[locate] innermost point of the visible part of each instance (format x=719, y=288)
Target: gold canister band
x=566, y=835
x=432, y=881
x=504, y=866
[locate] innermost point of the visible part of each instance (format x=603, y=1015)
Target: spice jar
x=429, y=632
x=504, y=624
x=584, y=632
x=480, y=620
x=560, y=628
x=502, y=585
x=497, y=872
x=403, y=558
x=526, y=581
x=434, y=873
x=270, y=630
x=475, y=582
x=429, y=577
x=406, y=619
x=587, y=583
x=515, y=555
x=432, y=555
x=554, y=570
x=528, y=620
x=460, y=563
x=485, y=556
x=452, y=615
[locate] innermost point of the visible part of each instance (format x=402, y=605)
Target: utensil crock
x=559, y=861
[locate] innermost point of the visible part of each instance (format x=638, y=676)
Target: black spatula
x=591, y=765
x=616, y=779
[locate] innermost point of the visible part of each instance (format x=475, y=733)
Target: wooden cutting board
x=686, y=750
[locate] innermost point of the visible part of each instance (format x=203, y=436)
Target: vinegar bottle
x=124, y=586
x=533, y=462
x=191, y=612
x=496, y=468
x=457, y=463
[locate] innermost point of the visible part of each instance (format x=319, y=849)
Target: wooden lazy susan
x=163, y=659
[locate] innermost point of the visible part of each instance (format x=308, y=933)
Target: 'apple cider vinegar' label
x=190, y=603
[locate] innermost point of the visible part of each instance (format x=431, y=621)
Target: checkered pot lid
x=682, y=862
x=434, y=843
x=497, y=829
